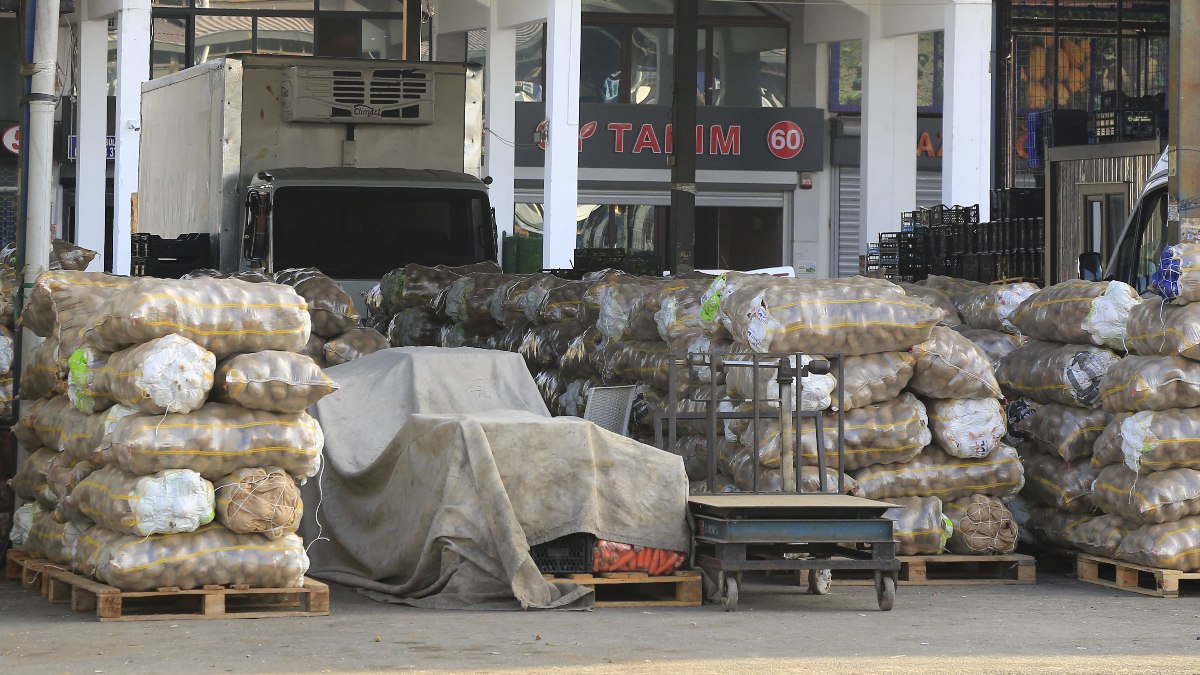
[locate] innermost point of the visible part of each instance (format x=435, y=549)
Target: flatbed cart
x=756, y=530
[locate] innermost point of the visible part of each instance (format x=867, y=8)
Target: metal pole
x=1183, y=176
x=681, y=258
x=787, y=448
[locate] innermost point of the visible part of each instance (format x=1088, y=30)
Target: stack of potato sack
x=986, y=311
x=337, y=335
x=1056, y=379
x=408, y=306
x=182, y=438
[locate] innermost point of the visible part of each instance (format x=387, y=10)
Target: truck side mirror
x=1091, y=268
x=256, y=236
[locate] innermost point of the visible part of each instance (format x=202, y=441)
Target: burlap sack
x=991, y=307
x=1172, y=546
x=414, y=327
x=965, y=427
x=1101, y=535
x=211, y=555
x=421, y=286
x=1151, y=383
x=215, y=441
x=1159, y=329
x=1079, y=312
x=813, y=391
x=167, y=502
x=284, y=382
x=1161, y=497
x=166, y=374
x=225, y=316
x=1067, y=432
x=260, y=500
x=1052, y=373
x=31, y=482
x=353, y=344
x=982, y=526
x=52, y=540
x=950, y=366
x=1150, y=441
x=995, y=345
x=330, y=308
x=1049, y=481
x=936, y=299
x=920, y=527
x=934, y=473
x=469, y=298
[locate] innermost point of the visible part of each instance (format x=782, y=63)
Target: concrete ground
x=1058, y=626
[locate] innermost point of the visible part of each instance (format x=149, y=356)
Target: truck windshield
x=1140, y=251
x=364, y=232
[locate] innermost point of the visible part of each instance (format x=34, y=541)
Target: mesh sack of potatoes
x=1101, y=535
x=65, y=255
x=1160, y=329
x=1066, y=432
x=874, y=378
x=693, y=450
x=67, y=299
x=700, y=352
x=596, y=285
x=579, y=359
x=211, y=555
x=166, y=502
x=1078, y=312
x=508, y=338
x=330, y=308
x=225, y=316
x=469, y=298
x=993, y=306
x=65, y=475
x=508, y=302
x=982, y=526
x=259, y=500
x=555, y=300
x=49, y=424
x=215, y=441
x=724, y=483
x=1178, y=275
x=284, y=382
x=1172, y=546
x=1020, y=414
x=544, y=346
x=1161, y=497
x=1151, y=383
x=374, y=304
x=1047, y=372
x=937, y=299
x=826, y=316
x=551, y=386
x=22, y=522
x=353, y=344
x=1055, y=528
x=315, y=350
x=995, y=345
x=421, y=286
x=6, y=396
x=621, y=314
x=678, y=314
x=167, y=374
x=966, y=427
x=91, y=547
x=43, y=375
x=477, y=335
x=645, y=361
x=8, y=296
x=653, y=403
x=82, y=441
x=813, y=391
x=920, y=528
x=954, y=288
x=950, y=366
x=82, y=370
x=414, y=327
x=574, y=398
x=31, y=482
x=771, y=479
x=934, y=473
x=1049, y=481
x=53, y=540
x=1150, y=441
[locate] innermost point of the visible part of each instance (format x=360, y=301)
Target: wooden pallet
x=1158, y=582
x=20, y=566
x=633, y=589
x=953, y=570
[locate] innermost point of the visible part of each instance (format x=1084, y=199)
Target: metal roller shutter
x=847, y=207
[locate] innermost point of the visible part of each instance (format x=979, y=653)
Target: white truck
x=352, y=166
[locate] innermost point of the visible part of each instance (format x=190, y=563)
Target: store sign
x=642, y=136
x=110, y=147
x=11, y=139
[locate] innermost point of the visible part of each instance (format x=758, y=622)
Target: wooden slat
x=1127, y=576
x=939, y=570
x=682, y=589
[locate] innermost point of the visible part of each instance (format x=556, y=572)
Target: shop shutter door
x=849, y=191
x=929, y=189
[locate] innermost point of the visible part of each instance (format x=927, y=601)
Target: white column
x=500, y=118
x=133, y=69
x=967, y=118
x=562, y=144
x=889, y=143
x=91, y=164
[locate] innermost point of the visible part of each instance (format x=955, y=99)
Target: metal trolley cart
x=779, y=526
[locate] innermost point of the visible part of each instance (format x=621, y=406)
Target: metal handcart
x=762, y=528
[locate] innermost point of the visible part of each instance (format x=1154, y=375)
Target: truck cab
x=1139, y=247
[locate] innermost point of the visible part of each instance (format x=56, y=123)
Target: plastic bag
x=1176, y=278
x=64, y=475
x=544, y=346
x=993, y=305
x=69, y=301
x=421, y=286
x=1161, y=497
x=330, y=308
x=555, y=300
x=1150, y=441
x=23, y=520
x=315, y=350
x=1052, y=373
x=260, y=500
x=1101, y=535
x=814, y=390
x=1172, y=546
x=935, y=473
x=44, y=375
x=1151, y=383
x=373, y=301
x=579, y=359
x=167, y=502
x=1066, y=486
x=1079, y=312
x=982, y=526
x=414, y=328
x=167, y=374
x=920, y=527
x=1066, y=432
x=225, y=316
x=937, y=299
x=951, y=366
x=211, y=555
x=354, y=344
x=31, y=481
x=215, y=441
x=611, y=556
x=53, y=540
x=995, y=345
x=284, y=382
x=965, y=427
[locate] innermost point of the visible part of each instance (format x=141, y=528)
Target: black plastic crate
x=596, y=259
x=571, y=554
x=185, y=247
x=163, y=269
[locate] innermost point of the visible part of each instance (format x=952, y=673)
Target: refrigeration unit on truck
x=352, y=166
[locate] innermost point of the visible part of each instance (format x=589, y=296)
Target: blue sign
x=110, y=146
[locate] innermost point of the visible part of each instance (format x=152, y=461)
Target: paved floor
x=1057, y=626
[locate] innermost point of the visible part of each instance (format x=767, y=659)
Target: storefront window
x=167, y=49
x=600, y=50
x=749, y=66
x=846, y=73
x=653, y=68
x=258, y=5
x=531, y=59
x=630, y=6
x=285, y=35
x=217, y=36
x=362, y=6
x=739, y=238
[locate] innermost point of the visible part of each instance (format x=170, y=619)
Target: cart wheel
x=729, y=599
x=819, y=581
x=885, y=591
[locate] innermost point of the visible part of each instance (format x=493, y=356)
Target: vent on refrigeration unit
x=358, y=95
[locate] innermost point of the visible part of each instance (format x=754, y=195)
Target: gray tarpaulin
x=442, y=467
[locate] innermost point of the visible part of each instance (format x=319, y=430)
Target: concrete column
x=889, y=109
x=967, y=104
x=500, y=117
x=562, y=144
x=91, y=164
x=133, y=69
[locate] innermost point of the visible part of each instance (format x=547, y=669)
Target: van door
x=1141, y=246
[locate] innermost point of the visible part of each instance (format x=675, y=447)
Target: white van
x=1139, y=248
